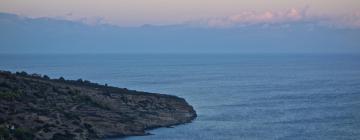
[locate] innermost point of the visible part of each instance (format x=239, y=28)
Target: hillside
x=37, y=107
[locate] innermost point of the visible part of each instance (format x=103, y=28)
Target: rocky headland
x=33, y=106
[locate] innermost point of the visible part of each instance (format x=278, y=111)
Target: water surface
x=236, y=96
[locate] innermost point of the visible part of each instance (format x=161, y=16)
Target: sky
x=165, y=12
x=179, y=26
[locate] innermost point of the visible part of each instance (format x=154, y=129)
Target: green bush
x=23, y=134
x=10, y=95
x=66, y=136
x=4, y=133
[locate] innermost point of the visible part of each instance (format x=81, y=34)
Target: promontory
x=34, y=106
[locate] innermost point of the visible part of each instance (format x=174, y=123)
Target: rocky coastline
x=34, y=106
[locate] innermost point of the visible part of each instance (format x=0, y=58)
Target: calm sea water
x=252, y=97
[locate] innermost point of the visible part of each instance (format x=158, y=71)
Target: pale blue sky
x=193, y=26
x=160, y=12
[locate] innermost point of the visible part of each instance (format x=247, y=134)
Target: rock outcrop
x=37, y=107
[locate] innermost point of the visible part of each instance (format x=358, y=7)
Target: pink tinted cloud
x=346, y=21
x=253, y=17
x=292, y=15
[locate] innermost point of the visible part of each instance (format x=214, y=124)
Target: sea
x=236, y=96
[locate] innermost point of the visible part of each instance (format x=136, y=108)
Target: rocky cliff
x=37, y=107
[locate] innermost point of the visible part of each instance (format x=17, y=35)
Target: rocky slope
x=37, y=107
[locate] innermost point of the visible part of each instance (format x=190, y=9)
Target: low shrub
x=23, y=134
x=10, y=95
x=4, y=133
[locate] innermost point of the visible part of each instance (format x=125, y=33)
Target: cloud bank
x=290, y=16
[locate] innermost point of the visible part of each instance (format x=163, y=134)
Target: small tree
x=23, y=73
x=62, y=78
x=4, y=133
x=46, y=77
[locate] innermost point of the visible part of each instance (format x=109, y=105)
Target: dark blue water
x=252, y=97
